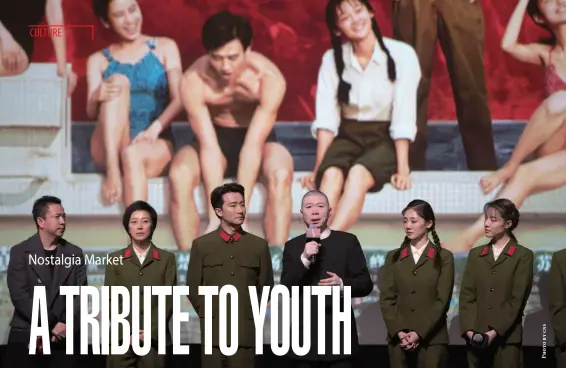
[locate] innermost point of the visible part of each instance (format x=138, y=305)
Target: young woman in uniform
x=415, y=285
x=365, y=111
x=133, y=93
x=142, y=264
x=494, y=290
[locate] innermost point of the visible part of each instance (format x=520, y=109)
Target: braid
x=437, y=247
x=391, y=69
x=343, y=87
x=398, y=252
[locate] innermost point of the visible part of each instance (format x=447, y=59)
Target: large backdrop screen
x=45, y=149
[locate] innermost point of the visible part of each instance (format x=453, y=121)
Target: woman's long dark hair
x=424, y=210
x=508, y=212
x=534, y=12
x=332, y=25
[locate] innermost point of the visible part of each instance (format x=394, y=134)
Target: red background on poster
x=293, y=34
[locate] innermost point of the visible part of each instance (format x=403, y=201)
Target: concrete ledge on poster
x=450, y=193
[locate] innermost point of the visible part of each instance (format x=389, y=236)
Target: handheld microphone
x=313, y=234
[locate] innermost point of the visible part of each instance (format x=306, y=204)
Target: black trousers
x=17, y=356
x=342, y=363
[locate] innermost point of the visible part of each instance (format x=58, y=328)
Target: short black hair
x=100, y=8
x=216, y=197
x=225, y=27
x=140, y=206
x=41, y=206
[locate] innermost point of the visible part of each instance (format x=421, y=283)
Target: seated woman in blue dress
x=133, y=93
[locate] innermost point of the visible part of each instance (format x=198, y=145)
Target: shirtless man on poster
x=232, y=96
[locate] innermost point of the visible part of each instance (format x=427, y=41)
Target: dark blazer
x=24, y=274
x=493, y=294
x=216, y=259
x=158, y=269
x=557, y=297
x=344, y=257
x=416, y=297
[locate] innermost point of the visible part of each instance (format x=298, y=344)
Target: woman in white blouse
x=365, y=111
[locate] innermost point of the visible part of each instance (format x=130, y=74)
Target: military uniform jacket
x=557, y=296
x=493, y=294
x=241, y=260
x=158, y=269
x=416, y=297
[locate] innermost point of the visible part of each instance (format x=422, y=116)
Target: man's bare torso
x=233, y=106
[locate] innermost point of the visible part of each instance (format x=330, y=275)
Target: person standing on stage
x=337, y=260
x=143, y=264
x=494, y=290
x=26, y=271
x=229, y=256
x=557, y=304
x=459, y=27
x=365, y=112
x=232, y=96
x=416, y=284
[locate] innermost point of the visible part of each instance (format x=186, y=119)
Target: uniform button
x=412, y=291
x=491, y=289
x=232, y=274
x=231, y=257
x=415, y=273
x=412, y=309
x=489, y=307
x=141, y=273
x=493, y=272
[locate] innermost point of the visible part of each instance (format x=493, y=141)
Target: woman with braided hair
x=415, y=285
x=365, y=111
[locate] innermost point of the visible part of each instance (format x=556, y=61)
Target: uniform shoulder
x=118, y=253
x=73, y=248
x=165, y=254
x=524, y=250
x=475, y=251
x=560, y=255
x=445, y=253
x=256, y=239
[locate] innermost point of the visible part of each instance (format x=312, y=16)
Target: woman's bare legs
x=140, y=162
x=184, y=178
x=111, y=135
x=543, y=174
x=349, y=209
x=546, y=121
x=331, y=184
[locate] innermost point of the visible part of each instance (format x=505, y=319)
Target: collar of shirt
x=325, y=234
x=231, y=238
x=350, y=58
x=418, y=252
x=142, y=254
x=498, y=250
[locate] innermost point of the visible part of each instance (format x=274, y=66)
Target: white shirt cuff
x=341, y=285
x=306, y=261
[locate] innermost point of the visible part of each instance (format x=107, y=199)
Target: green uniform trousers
x=431, y=356
x=496, y=356
x=131, y=360
x=244, y=358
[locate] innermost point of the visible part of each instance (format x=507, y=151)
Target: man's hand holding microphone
x=312, y=246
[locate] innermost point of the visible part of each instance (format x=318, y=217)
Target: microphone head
x=477, y=338
x=313, y=231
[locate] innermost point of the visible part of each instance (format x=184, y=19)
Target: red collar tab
x=431, y=252
x=231, y=238
x=405, y=252
x=484, y=251
x=511, y=250
x=128, y=253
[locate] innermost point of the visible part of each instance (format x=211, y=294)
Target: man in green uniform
x=557, y=304
x=142, y=264
x=459, y=27
x=229, y=256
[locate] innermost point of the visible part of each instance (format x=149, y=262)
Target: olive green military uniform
x=416, y=297
x=557, y=304
x=242, y=260
x=159, y=268
x=493, y=295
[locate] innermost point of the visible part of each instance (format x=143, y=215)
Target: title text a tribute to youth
x=111, y=330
